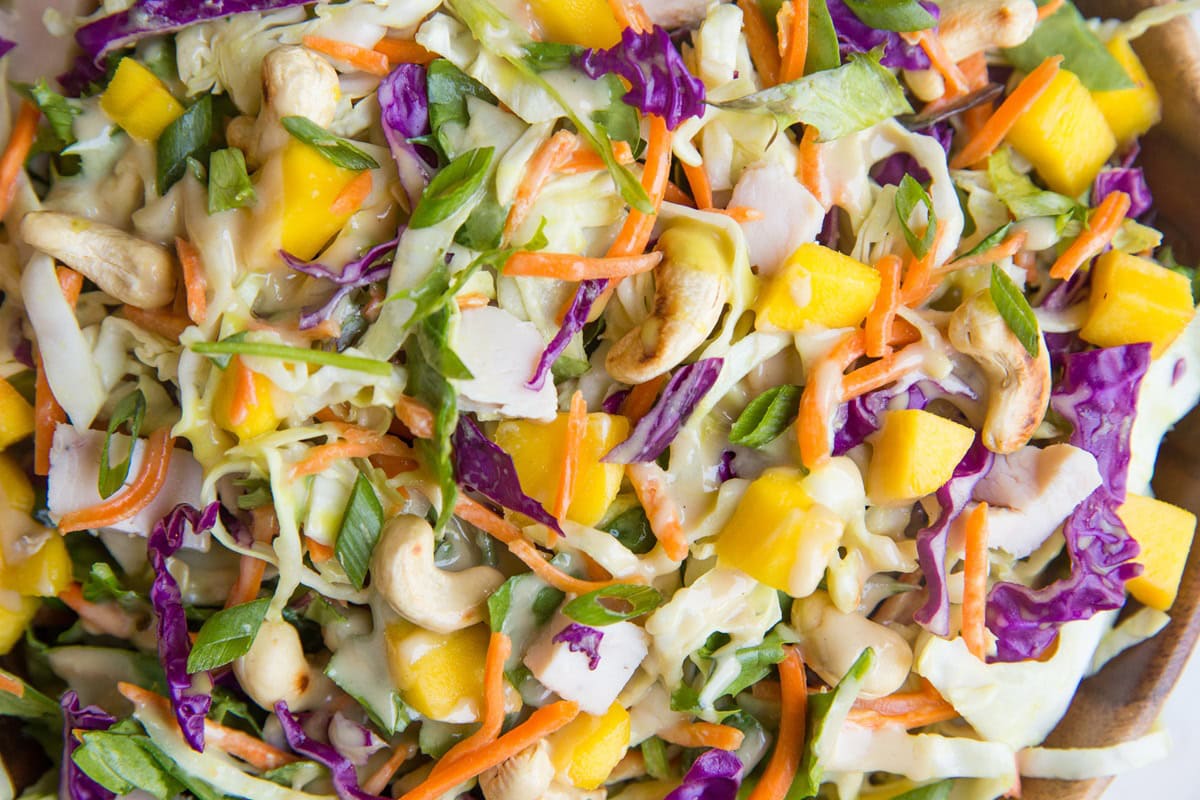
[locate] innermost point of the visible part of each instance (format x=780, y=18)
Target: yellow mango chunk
x=139, y=102
x=15, y=485
x=1136, y=300
x=818, y=286
x=1064, y=135
x=1129, y=112
x=587, y=749
x=310, y=185
x=1164, y=533
x=915, y=453
x=43, y=573
x=537, y=451
x=438, y=674
x=14, y=621
x=16, y=415
x=776, y=536
x=589, y=23
x=256, y=420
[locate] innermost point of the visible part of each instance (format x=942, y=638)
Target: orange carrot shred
x=821, y=392
x=584, y=159
x=404, y=51
x=1102, y=226
x=1012, y=244
x=650, y=485
x=245, y=391
x=919, y=280
x=878, y=326
x=71, y=284
x=1031, y=87
x=974, y=69
x=576, y=430
x=499, y=649
x=356, y=443
x=975, y=574
x=12, y=161
x=641, y=398
x=361, y=58
x=703, y=734
x=194, y=279
x=764, y=51
x=133, y=498
x=635, y=233
x=571, y=267
x=319, y=552
x=955, y=81
x=675, y=194
x=378, y=780
x=740, y=214
x=264, y=526
x=630, y=14
x=107, y=618
x=471, y=300
x=47, y=414
x=11, y=685
x=415, y=416
x=793, y=39
x=1049, y=10
x=880, y=373
x=809, y=167
x=697, y=177
x=549, y=155
x=161, y=321
x=789, y=744
x=352, y=195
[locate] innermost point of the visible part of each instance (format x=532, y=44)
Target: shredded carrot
x=318, y=551
x=404, y=51
x=378, y=779
x=703, y=734
x=821, y=392
x=882, y=372
x=641, y=398
x=571, y=267
x=740, y=214
x=361, y=58
x=194, y=280
x=675, y=194
x=133, y=498
x=1031, y=87
x=789, y=744
x=635, y=233
x=763, y=50
x=793, y=39
x=1102, y=226
x=106, y=618
x=541, y=723
x=878, y=326
x=1049, y=10
x=71, y=284
x=415, y=416
x=355, y=443
x=573, y=446
x=974, y=69
x=650, y=484
x=499, y=649
x=11, y=685
x=12, y=161
x=471, y=300
x=264, y=526
x=585, y=159
x=47, y=414
x=975, y=573
x=549, y=155
x=160, y=321
x=912, y=709
x=931, y=43
x=809, y=167
x=630, y=14
x=1012, y=244
x=245, y=391
x=697, y=177
x=352, y=195
x=918, y=279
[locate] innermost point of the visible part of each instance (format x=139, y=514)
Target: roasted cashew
x=275, y=668
x=831, y=641
x=525, y=776
x=130, y=269
x=690, y=287
x=1018, y=384
x=404, y=573
x=967, y=27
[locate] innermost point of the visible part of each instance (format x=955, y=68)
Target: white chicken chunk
x=676, y=13
x=501, y=352
x=1030, y=492
x=567, y=672
x=791, y=215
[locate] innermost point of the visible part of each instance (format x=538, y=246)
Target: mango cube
x=16, y=415
x=310, y=185
x=259, y=417
x=44, y=572
x=817, y=286
x=1165, y=534
x=439, y=674
x=1135, y=300
x=14, y=621
x=589, y=23
x=587, y=749
x=915, y=453
x=15, y=486
x=776, y=536
x=1064, y=135
x=1129, y=112
x=139, y=102
x=537, y=451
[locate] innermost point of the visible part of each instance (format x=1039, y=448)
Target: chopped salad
x=512, y=400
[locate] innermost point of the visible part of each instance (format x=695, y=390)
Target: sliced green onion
x=284, y=352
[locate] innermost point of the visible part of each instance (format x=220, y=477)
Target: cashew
x=403, y=572
x=296, y=83
x=690, y=287
x=831, y=641
x=1018, y=384
x=275, y=668
x=130, y=269
x=525, y=776
x=967, y=27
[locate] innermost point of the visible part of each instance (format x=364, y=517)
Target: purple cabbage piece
x=892, y=169
x=654, y=432
x=573, y=322
x=5, y=46
x=1067, y=293
x=404, y=113
x=345, y=779
x=1129, y=180
x=612, y=404
x=23, y=353
x=1098, y=395
x=725, y=468
x=371, y=267
x=582, y=639
x=353, y=740
x=660, y=81
x=74, y=783
x=481, y=465
x=931, y=541
x=855, y=36
x=859, y=418
x=831, y=230
x=174, y=645
x=715, y=775
x=82, y=74
x=1178, y=371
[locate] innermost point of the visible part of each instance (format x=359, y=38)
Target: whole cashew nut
x=525, y=776
x=967, y=27
x=831, y=641
x=130, y=269
x=275, y=668
x=691, y=285
x=1018, y=383
x=404, y=573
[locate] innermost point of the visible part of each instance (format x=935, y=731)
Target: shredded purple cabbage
x=83, y=73
x=855, y=36
x=345, y=779
x=931, y=542
x=5, y=46
x=1067, y=293
x=174, y=645
x=1098, y=395
x=831, y=230
x=725, y=468
x=23, y=353
x=481, y=465
x=373, y=266
x=714, y=775
x=404, y=112
x=857, y=419
x=353, y=740
x=74, y=783
x=612, y=404
x=654, y=432
x=892, y=169
x=1178, y=371
x=582, y=639
x=1131, y=181
x=659, y=80
x=573, y=322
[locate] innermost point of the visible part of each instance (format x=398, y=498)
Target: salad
x=580, y=399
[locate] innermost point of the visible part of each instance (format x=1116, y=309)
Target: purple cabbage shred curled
x=582, y=639
x=373, y=266
x=1129, y=180
x=404, y=114
x=573, y=322
x=341, y=770
x=714, y=775
x=855, y=36
x=73, y=783
x=482, y=466
x=654, y=432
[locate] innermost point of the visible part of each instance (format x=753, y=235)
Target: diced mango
x=776, y=536
x=16, y=415
x=1135, y=300
x=1130, y=112
x=139, y=102
x=15, y=486
x=311, y=183
x=438, y=674
x=915, y=453
x=589, y=23
x=1064, y=135
x=259, y=417
x=587, y=749
x=1164, y=533
x=14, y=621
x=42, y=573
x=817, y=285
x=537, y=451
